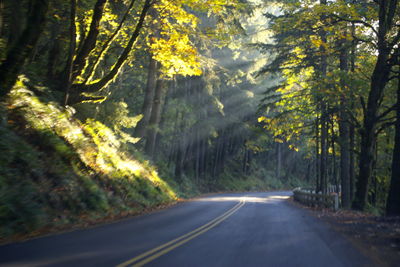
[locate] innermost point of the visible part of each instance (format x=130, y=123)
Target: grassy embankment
x=56, y=171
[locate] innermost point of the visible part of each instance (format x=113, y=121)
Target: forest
x=112, y=107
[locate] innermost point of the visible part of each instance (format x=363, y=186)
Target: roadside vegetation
x=57, y=170
x=114, y=107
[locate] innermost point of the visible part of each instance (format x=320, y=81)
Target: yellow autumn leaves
x=177, y=55
x=174, y=48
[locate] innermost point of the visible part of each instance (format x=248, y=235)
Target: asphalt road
x=250, y=229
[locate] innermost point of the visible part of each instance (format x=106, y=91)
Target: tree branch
x=107, y=43
x=386, y=112
x=90, y=41
x=97, y=86
x=357, y=21
x=384, y=126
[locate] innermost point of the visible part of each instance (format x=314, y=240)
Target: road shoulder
x=377, y=238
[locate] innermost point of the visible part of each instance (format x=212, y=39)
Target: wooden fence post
x=316, y=199
x=336, y=199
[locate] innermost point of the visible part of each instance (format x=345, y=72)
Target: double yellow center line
x=153, y=254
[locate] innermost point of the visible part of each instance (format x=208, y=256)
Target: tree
x=319, y=37
x=344, y=127
x=393, y=201
x=388, y=38
x=23, y=45
x=87, y=46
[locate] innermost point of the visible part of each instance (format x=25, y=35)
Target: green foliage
x=20, y=208
x=260, y=178
x=327, y=55
x=55, y=169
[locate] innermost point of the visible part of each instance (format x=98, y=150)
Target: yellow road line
x=166, y=250
x=177, y=239
x=180, y=240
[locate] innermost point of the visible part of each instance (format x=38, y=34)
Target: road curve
x=246, y=229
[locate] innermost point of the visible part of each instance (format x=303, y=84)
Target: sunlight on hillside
x=97, y=145
x=60, y=169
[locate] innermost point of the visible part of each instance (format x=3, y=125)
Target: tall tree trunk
x=317, y=157
x=163, y=121
x=89, y=43
x=393, y=201
x=344, y=132
x=54, y=54
x=368, y=133
x=379, y=79
x=67, y=75
x=324, y=150
x=2, y=19
x=201, y=157
x=179, y=163
x=249, y=159
x=206, y=159
x=324, y=114
x=245, y=160
x=352, y=169
x=148, y=98
x=374, y=179
x=308, y=172
x=188, y=155
x=180, y=147
x=278, y=151
x=197, y=156
x=174, y=146
x=23, y=46
x=352, y=160
x=217, y=156
x=15, y=21
x=344, y=157
x=155, y=117
x=334, y=165
x=224, y=145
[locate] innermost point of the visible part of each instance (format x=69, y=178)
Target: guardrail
x=311, y=198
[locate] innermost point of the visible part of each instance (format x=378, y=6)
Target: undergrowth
x=259, y=178
x=56, y=170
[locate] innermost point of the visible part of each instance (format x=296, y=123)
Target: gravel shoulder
x=377, y=237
